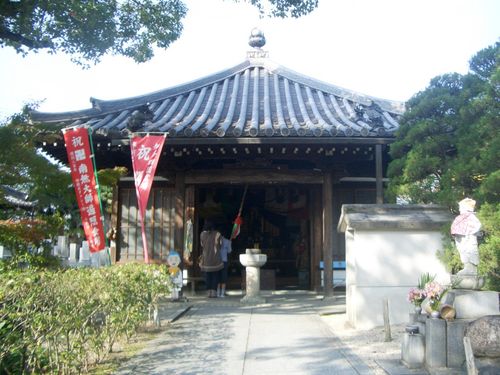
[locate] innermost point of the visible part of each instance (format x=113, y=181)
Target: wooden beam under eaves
x=252, y=175
x=173, y=141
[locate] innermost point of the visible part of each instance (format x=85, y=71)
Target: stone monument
x=465, y=230
x=62, y=244
x=72, y=253
x=84, y=258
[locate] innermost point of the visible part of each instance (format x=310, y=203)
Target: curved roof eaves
x=101, y=108
x=392, y=106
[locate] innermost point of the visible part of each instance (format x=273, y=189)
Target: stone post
x=95, y=260
x=72, y=253
x=104, y=257
x=62, y=243
x=413, y=348
x=85, y=253
x=455, y=352
x=435, y=343
x=55, y=250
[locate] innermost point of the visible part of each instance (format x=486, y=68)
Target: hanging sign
x=145, y=152
x=84, y=182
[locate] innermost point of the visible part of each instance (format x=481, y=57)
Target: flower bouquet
x=417, y=295
x=434, y=292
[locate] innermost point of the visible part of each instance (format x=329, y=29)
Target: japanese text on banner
x=145, y=156
x=82, y=174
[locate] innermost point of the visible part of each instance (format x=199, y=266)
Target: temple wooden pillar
x=180, y=188
x=328, y=233
x=317, y=236
x=114, y=225
x=379, y=174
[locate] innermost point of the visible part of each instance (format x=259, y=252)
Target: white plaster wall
x=350, y=266
x=386, y=264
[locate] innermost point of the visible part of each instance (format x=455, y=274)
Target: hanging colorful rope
x=239, y=220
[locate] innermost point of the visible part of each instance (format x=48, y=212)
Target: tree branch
x=5, y=33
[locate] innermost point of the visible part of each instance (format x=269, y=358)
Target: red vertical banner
x=82, y=174
x=146, y=153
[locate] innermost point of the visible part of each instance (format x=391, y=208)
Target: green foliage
x=23, y=167
x=111, y=176
x=108, y=181
x=450, y=256
x=424, y=279
x=448, y=147
x=29, y=235
x=63, y=321
x=489, y=249
x=88, y=30
x=284, y=8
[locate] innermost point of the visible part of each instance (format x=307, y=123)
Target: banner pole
x=98, y=186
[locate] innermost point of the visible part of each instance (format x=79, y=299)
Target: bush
x=61, y=321
x=25, y=236
x=489, y=248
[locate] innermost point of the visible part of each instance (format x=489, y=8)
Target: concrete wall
x=384, y=260
x=384, y=264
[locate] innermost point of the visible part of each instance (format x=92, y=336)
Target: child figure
x=173, y=261
x=224, y=251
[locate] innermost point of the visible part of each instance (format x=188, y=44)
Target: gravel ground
x=369, y=344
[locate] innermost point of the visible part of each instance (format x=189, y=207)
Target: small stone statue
x=173, y=261
x=465, y=229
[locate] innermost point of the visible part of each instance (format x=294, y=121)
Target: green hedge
x=65, y=320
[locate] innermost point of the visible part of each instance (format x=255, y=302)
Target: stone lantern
x=253, y=260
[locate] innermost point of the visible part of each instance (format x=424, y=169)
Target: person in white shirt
x=225, y=250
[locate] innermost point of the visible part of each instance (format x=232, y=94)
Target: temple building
x=300, y=147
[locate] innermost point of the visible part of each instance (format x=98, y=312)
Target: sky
x=389, y=49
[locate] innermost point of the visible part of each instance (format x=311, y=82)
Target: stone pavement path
x=226, y=338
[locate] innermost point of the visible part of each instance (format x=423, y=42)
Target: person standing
x=211, y=261
x=225, y=250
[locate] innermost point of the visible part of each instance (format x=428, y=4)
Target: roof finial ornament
x=257, y=40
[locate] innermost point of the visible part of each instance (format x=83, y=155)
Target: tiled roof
x=16, y=198
x=257, y=98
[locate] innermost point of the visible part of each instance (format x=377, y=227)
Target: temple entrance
x=276, y=219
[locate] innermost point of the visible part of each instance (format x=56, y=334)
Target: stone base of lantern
x=469, y=282
x=253, y=300
x=474, y=304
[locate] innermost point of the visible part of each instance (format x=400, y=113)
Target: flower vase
x=435, y=314
x=426, y=306
x=418, y=310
